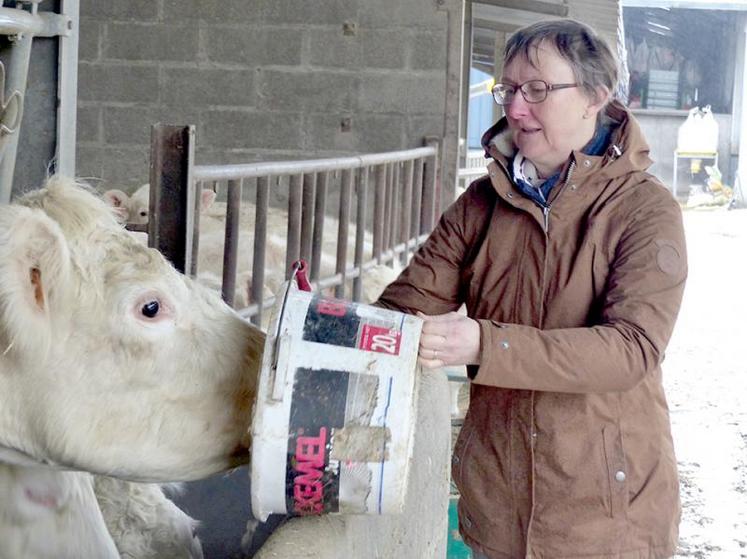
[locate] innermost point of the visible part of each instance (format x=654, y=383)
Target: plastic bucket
x=333, y=420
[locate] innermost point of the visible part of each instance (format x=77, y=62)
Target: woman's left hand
x=449, y=339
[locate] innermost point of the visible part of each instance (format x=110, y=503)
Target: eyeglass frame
x=548, y=88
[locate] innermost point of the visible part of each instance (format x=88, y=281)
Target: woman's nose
x=518, y=107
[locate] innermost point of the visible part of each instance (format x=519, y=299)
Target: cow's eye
x=150, y=309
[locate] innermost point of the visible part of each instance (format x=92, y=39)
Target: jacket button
x=492, y=174
x=587, y=163
x=510, y=195
x=573, y=187
x=455, y=459
x=620, y=476
x=505, y=345
x=467, y=522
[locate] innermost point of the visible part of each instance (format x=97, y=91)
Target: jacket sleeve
x=431, y=281
x=638, y=311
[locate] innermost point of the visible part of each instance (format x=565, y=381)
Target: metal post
x=197, y=187
x=260, y=241
x=307, y=214
x=346, y=187
x=170, y=228
x=406, y=211
x=320, y=208
x=360, y=231
x=378, y=215
x=417, y=199
x=67, y=90
x=740, y=190
x=293, y=248
x=430, y=195
x=17, y=74
x=231, y=246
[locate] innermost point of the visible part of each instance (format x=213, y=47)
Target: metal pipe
x=67, y=89
x=378, y=214
x=360, y=219
x=293, y=245
x=20, y=57
x=417, y=198
x=253, y=170
x=343, y=228
x=320, y=208
x=428, y=209
x=16, y=21
x=395, y=204
x=260, y=242
x=231, y=247
x=406, y=209
x=307, y=215
x=195, y=227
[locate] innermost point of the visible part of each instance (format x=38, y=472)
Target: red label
x=330, y=307
x=308, y=492
x=379, y=339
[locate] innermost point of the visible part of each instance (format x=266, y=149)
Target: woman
x=570, y=259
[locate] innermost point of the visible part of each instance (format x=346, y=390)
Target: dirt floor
x=705, y=374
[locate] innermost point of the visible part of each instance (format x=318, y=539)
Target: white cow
x=110, y=360
x=47, y=514
x=143, y=522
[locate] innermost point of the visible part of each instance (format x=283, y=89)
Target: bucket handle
x=281, y=367
x=300, y=269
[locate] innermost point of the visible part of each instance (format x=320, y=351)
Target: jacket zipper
x=546, y=209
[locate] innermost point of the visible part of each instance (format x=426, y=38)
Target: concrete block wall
x=261, y=79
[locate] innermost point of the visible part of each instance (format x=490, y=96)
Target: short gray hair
x=588, y=55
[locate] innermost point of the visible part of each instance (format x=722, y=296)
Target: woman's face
x=547, y=132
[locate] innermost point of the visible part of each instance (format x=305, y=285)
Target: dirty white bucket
x=333, y=420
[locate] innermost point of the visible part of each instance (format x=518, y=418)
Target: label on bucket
x=335, y=409
x=329, y=321
x=326, y=409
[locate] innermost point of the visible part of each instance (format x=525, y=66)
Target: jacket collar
x=627, y=151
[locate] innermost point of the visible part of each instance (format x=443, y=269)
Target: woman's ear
x=597, y=101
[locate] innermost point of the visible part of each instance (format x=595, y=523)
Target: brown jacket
x=566, y=449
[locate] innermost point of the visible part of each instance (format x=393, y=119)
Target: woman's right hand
x=449, y=339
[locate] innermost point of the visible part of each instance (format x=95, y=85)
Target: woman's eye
x=150, y=309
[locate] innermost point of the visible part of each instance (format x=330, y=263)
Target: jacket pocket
x=459, y=455
x=617, y=473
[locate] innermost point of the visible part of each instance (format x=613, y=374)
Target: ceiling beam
x=536, y=6
x=494, y=25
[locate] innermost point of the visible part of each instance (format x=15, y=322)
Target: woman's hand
x=449, y=339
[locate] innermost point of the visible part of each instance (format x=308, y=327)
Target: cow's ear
x=120, y=202
x=34, y=275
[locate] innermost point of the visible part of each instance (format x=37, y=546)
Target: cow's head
x=111, y=361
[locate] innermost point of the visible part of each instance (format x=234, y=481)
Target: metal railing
x=22, y=27
x=401, y=186
x=475, y=166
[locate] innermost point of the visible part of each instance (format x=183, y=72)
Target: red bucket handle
x=300, y=269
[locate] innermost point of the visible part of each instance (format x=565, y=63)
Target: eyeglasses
x=533, y=91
